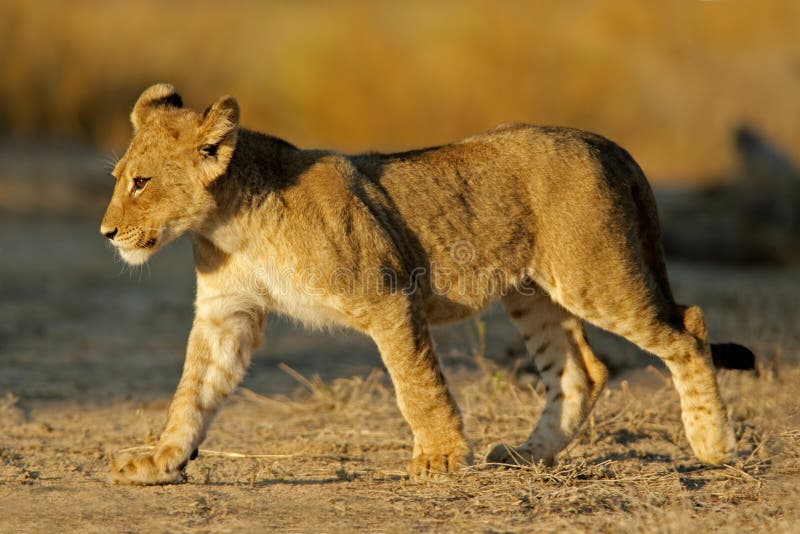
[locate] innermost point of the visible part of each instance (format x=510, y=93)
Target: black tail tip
x=732, y=356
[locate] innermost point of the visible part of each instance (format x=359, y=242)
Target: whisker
x=111, y=160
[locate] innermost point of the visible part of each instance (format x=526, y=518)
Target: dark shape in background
x=751, y=216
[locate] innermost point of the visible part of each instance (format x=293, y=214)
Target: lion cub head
x=163, y=179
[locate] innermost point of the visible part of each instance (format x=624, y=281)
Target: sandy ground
x=90, y=353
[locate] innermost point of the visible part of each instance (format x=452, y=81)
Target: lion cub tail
x=732, y=356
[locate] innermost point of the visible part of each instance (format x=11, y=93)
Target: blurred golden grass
x=668, y=80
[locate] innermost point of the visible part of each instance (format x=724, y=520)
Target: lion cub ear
x=155, y=97
x=217, y=136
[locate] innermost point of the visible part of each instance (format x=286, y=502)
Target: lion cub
x=558, y=224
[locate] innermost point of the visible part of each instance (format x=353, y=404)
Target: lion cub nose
x=109, y=233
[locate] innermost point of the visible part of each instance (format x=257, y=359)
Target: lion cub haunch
x=558, y=224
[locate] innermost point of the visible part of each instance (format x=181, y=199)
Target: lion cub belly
x=300, y=296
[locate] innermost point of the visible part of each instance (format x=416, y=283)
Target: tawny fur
x=558, y=223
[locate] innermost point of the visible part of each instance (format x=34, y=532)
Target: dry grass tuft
x=343, y=394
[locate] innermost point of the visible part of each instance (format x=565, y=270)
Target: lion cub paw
x=424, y=465
x=522, y=455
x=714, y=447
x=143, y=470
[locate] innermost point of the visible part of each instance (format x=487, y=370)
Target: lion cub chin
x=134, y=256
x=558, y=224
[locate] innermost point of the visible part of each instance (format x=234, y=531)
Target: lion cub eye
x=139, y=183
x=209, y=151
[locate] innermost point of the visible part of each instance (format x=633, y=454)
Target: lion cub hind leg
x=688, y=356
x=405, y=345
x=652, y=321
x=572, y=375
x=685, y=351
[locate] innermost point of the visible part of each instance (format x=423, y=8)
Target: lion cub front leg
x=217, y=356
x=422, y=395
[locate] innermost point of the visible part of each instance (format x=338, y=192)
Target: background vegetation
x=668, y=80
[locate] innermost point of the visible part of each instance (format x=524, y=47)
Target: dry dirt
x=90, y=353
